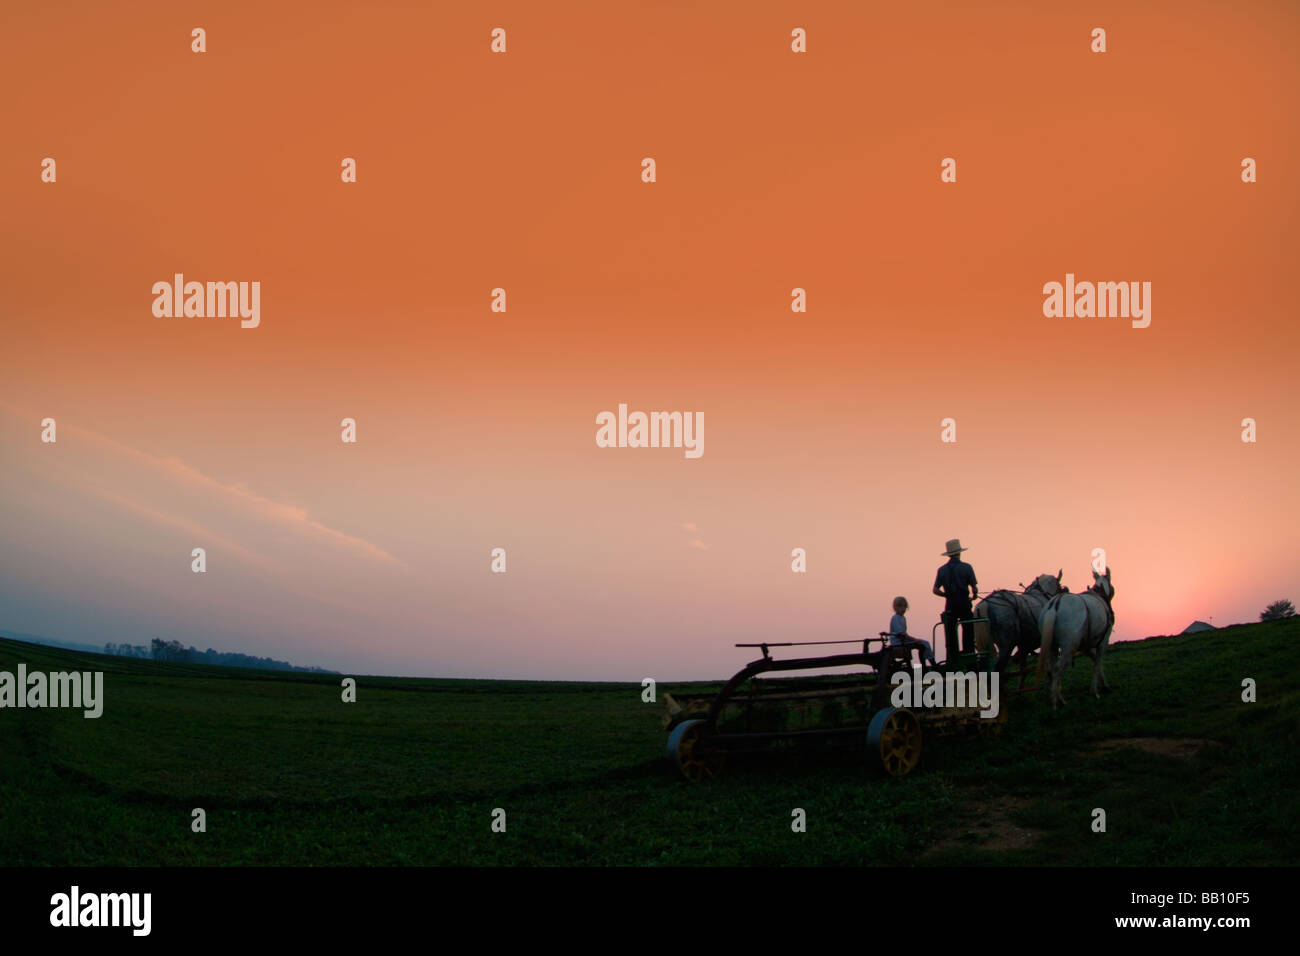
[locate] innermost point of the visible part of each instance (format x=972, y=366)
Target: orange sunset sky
x=522, y=170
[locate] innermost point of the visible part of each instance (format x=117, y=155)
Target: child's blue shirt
x=897, y=629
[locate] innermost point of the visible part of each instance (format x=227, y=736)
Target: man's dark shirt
x=956, y=578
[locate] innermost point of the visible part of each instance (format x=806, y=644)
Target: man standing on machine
x=955, y=583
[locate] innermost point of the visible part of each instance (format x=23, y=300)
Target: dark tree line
x=128, y=650
x=1277, y=611
x=177, y=652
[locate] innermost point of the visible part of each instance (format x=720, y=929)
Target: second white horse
x=1076, y=624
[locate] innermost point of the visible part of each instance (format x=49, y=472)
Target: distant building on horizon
x=1196, y=627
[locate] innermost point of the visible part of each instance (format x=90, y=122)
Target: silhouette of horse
x=1014, y=616
x=1076, y=624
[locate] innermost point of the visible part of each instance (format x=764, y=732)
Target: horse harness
x=1019, y=601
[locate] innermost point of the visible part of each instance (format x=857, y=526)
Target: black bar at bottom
x=332, y=905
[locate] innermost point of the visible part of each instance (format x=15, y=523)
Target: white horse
x=1076, y=624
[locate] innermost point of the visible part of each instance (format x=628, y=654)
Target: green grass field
x=410, y=774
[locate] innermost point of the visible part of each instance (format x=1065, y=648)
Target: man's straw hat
x=954, y=547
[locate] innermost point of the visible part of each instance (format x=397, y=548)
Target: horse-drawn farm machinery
x=758, y=709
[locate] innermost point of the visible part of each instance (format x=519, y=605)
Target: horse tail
x=1048, y=627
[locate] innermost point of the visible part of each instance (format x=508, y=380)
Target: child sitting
x=898, y=635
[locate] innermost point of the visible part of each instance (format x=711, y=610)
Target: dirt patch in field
x=1181, y=748
x=986, y=824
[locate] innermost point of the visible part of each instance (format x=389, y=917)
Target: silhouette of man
x=955, y=583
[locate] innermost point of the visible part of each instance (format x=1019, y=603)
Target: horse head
x=1047, y=585
x=1101, y=584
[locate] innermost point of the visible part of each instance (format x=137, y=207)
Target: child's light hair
x=902, y=601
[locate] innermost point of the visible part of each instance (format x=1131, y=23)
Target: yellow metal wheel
x=895, y=735
x=693, y=757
